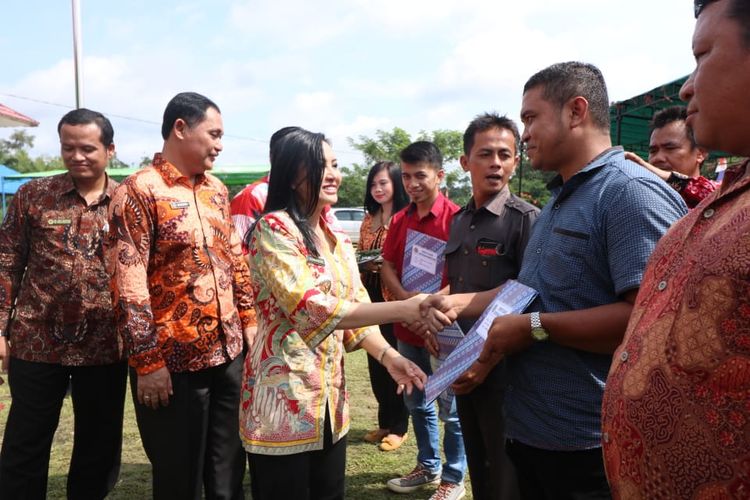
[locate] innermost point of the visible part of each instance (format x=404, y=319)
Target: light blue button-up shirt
x=588, y=247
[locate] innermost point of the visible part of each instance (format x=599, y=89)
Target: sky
x=342, y=67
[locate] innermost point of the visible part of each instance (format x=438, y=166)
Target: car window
x=358, y=215
x=343, y=215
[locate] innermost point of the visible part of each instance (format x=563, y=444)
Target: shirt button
x=484, y=263
x=624, y=356
x=472, y=226
x=538, y=250
x=460, y=279
x=605, y=437
x=557, y=206
x=466, y=252
x=662, y=285
x=709, y=213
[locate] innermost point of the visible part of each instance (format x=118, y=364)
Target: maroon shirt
x=52, y=267
x=437, y=223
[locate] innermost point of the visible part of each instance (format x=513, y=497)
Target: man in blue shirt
x=585, y=257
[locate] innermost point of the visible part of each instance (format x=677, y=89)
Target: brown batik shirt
x=52, y=268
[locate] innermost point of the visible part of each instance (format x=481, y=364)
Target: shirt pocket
x=564, y=261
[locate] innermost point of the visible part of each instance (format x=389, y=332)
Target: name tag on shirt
x=59, y=222
x=179, y=204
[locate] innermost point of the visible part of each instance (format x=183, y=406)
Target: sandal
x=392, y=442
x=376, y=435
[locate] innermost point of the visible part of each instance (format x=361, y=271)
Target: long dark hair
x=299, y=154
x=400, y=198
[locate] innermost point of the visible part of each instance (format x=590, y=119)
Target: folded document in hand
x=513, y=298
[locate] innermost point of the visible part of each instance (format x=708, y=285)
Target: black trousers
x=392, y=412
x=559, y=475
x=480, y=412
x=311, y=475
x=193, y=443
x=37, y=391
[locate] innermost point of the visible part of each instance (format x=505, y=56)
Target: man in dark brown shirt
x=57, y=321
x=487, y=240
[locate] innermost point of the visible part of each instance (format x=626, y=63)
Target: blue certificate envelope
x=512, y=298
x=424, y=259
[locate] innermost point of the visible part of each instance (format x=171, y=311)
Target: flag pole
x=77, y=50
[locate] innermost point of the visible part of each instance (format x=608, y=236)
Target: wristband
x=382, y=353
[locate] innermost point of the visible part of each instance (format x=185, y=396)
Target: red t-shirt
x=437, y=223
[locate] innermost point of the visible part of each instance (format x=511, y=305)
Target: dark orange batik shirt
x=181, y=289
x=52, y=267
x=676, y=412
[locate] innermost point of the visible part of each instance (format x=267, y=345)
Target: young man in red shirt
x=430, y=213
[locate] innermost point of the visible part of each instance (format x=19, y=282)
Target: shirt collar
x=495, y=205
x=736, y=176
x=171, y=174
x=435, y=209
x=67, y=186
x=598, y=162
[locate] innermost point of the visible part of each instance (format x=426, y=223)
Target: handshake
x=428, y=315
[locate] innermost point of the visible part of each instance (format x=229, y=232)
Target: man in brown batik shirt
x=57, y=321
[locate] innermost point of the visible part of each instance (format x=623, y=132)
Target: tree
x=386, y=145
x=531, y=184
x=14, y=154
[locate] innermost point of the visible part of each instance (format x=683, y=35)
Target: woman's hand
x=432, y=319
x=406, y=374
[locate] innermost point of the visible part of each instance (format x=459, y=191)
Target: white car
x=349, y=220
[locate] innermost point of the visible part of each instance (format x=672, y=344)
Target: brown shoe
x=392, y=442
x=376, y=435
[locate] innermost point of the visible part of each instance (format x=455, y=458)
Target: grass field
x=367, y=470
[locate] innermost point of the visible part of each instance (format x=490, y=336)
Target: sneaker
x=417, y=478
x=449, y=491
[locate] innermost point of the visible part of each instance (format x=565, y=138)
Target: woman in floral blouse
x=384, y=197
x=311, y=308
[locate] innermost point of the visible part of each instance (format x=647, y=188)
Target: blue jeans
x=424, y=420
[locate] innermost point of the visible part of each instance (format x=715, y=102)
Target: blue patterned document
x=512, y=298
x=424, y=259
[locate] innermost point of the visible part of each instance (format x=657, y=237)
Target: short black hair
x=83, y=116
x=670, y=115
x=400, y=198
x=422, y=152
x=488, y=121
x=739, y=11
x=563, y=81
x=189, y=106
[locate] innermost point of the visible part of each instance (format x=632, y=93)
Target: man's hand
x=423, y=330
x=4, y=357
x=507, y=335
x=663, y=174
x=155, y=388
x=249, y=334
x=471, y=378
x=442, y=303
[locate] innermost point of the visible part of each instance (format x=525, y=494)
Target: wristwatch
x=538, y=332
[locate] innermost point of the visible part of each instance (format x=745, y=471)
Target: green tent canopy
x=630, y=118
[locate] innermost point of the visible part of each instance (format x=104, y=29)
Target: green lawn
x=367, y=468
